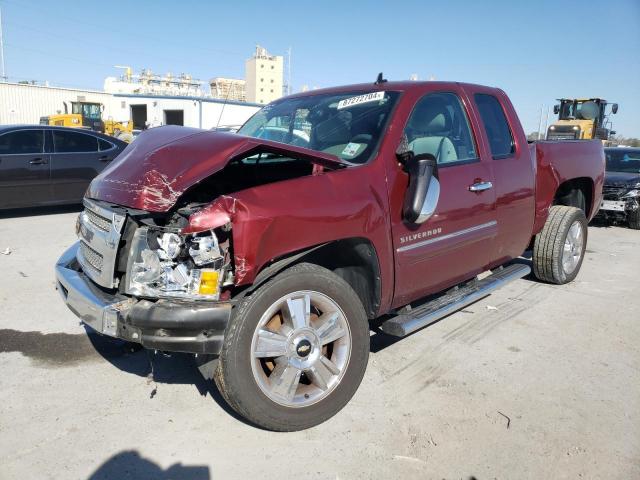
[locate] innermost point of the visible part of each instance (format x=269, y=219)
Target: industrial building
x=264, y=76
x=25, y=104
x=149, y=83
x=228, y=89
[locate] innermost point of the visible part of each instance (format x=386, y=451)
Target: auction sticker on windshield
x=360, y=99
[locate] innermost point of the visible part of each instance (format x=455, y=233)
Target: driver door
x=454, y=243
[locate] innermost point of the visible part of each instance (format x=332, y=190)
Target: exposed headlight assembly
x=165, y=264
x=632, y=194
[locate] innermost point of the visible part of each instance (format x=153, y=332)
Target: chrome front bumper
x=96, y=308
x=193, y=327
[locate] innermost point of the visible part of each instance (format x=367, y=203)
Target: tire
x=633, y=219
x=555, y=244
x=245, y=373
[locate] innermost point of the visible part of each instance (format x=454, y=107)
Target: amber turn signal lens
x=208, y=282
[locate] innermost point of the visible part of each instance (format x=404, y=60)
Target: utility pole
x=289, y=72
x=3, y=75
x=546, y=122
x=540, y=122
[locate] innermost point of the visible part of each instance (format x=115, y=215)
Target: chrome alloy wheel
x=572, y=251
x=300, y=349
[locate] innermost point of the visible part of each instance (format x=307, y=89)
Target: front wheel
x=295, y=350
x=559, y=248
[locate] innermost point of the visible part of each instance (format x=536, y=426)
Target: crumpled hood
x=621, y=179
x=156, y=169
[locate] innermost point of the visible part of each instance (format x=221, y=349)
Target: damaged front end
x=144, y=269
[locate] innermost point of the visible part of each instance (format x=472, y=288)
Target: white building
x=25, y=104
x=264, y=75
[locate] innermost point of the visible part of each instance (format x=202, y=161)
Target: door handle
x=38, y=161
x=105, y=158
x=480, y=186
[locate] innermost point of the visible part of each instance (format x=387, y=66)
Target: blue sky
x=535, y=51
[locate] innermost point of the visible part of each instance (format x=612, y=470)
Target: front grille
x=93, y=258
x=563, y=132
x=561, y=136
x=613, y=193
x=99, y=230
x=99, y=221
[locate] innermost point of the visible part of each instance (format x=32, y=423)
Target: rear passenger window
x=438, y=125
x=74, y=142
x=22, y=142
x=495, y=125
x=104, y=145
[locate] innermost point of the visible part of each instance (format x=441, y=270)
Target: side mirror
x=421, y=197
x=556, y=109
x=614, y=108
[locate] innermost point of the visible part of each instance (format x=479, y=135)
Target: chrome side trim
x=458, y=233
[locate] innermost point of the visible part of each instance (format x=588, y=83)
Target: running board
x=452, y=301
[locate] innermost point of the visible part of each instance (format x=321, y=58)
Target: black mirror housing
x=556, y=109
x=614, y=108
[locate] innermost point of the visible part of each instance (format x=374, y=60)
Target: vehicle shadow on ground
x=39, y=211
x=129, y=464
x=158, y=368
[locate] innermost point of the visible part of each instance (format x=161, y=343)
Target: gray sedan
x=44, y=165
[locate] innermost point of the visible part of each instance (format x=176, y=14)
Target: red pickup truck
x=269, y=252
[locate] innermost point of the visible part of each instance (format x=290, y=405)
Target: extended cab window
x=22, y=142
x=438, y=125
x=74, y=142
x=495, y=125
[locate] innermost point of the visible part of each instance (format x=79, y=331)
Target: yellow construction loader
x=88, y=115
x=582, y=118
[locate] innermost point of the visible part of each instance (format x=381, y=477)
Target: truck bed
x=558, y=162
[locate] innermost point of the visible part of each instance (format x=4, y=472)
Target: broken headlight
x=166, y=264
x=632, y=194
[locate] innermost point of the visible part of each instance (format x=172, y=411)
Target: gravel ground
x=535, y=381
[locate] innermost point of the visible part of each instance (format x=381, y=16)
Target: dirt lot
x=535, y=381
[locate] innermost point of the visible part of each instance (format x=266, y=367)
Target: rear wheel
x=558, y=250
x=295, y=350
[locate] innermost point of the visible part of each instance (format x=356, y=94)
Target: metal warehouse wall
x=198, y=113
x=27, y=103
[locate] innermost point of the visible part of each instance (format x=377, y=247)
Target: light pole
x=4, y=75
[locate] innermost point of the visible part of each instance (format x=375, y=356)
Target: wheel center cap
x=303, y=348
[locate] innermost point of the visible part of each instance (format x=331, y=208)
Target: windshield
x=623, y=160
x=584, y=110
x=88, y=110
x=347, y=125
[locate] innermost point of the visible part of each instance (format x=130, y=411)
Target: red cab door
x=455, y=243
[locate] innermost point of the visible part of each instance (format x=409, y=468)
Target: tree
x=626, y=141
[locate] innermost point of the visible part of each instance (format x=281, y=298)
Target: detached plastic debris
x=6, y=251
x=491, y=307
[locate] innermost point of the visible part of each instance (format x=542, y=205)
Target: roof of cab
x=401, y=86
